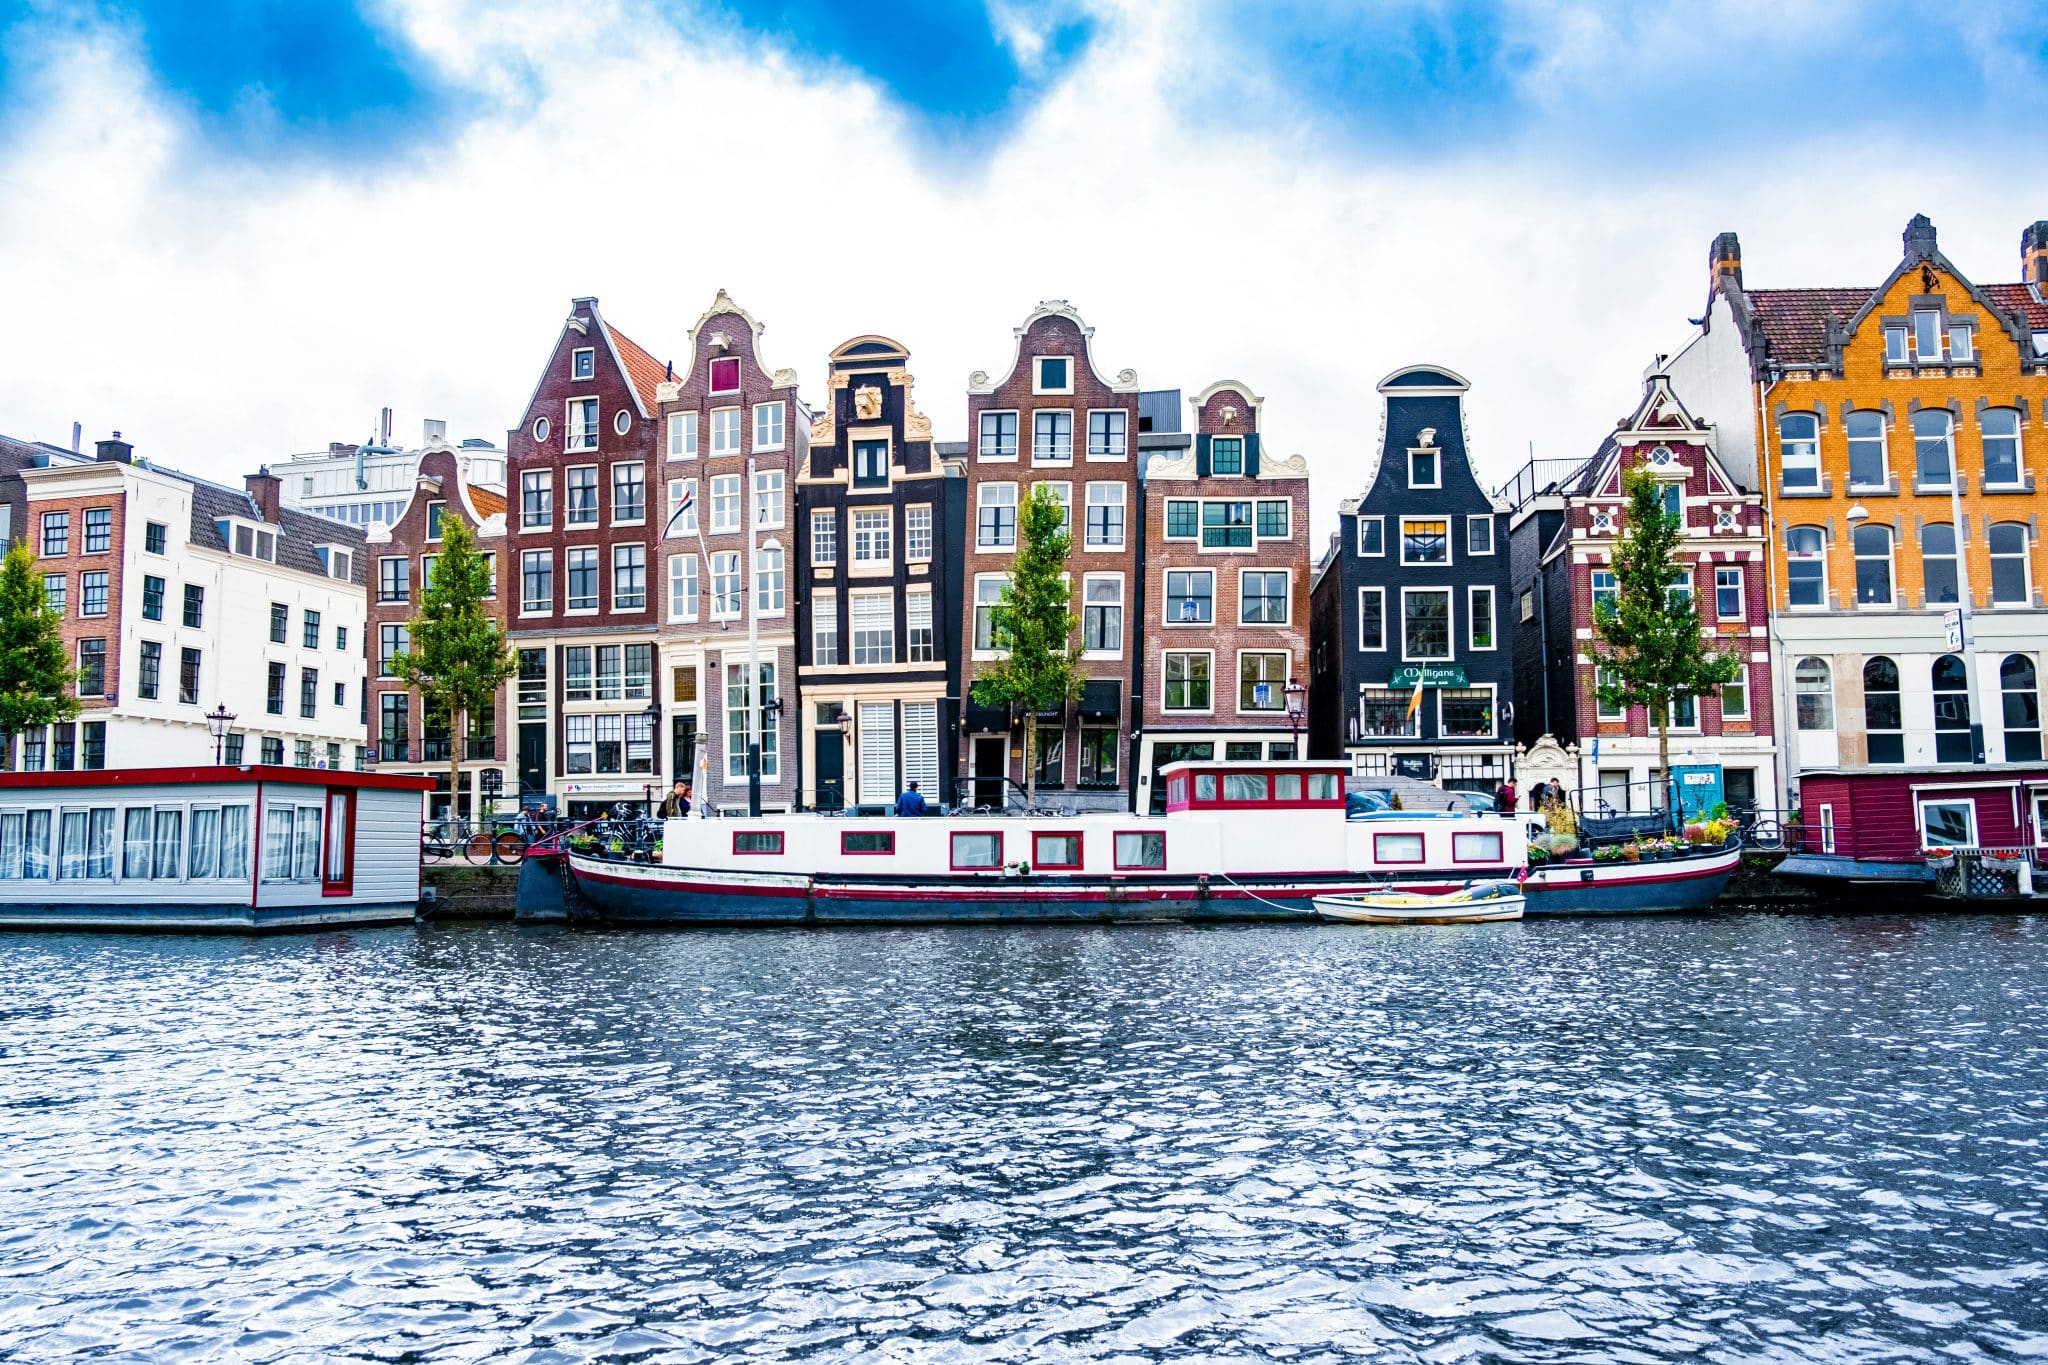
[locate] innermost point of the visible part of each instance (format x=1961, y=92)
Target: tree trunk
x=1664, y=765
x=454, y=764
x=1030, y=759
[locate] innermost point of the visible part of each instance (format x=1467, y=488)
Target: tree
x=459, y=656
x=1035, y=625
x=36, y=675
x=1646, y=640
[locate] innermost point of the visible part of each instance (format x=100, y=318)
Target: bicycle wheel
x=1767, y=836
x=510, y=846
x=476, y=845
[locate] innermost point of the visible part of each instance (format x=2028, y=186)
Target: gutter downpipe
x=1775, y=638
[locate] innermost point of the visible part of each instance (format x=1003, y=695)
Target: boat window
x=868, y=841
x=1397, y=848
x=1244, y=786
x=170, y=844
x=25, y=845
x=1949, y=824
x=758, y=841
x=1322, y=786
x=1475, y=847
x=1205, y=786
x=234, y=841
x=977, y=850
x=202, y=853
x=1055, y=852
x=135, y=843
x=1287, y=786
x=1139, y=850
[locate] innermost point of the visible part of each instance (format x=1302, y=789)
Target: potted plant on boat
x=1607, y=853
x=1538, y=855
x=1631, y=852
x=1939, y=858
x=582, y=843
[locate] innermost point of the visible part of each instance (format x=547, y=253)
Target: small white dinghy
x=1479, y=903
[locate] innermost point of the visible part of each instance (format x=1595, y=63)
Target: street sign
x=1952, y=626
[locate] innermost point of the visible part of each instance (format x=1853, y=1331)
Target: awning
x=987, y=719
x=1101, y=699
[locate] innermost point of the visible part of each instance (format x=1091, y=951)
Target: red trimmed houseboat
x=1977, y=833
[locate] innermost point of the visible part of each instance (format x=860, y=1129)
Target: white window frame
x=2026, y=559
x=1038, y=375
x=1380, y=522
x=1493, y=707
x=1208, y=710
x=618, y=468
x=1170, y=615
x=913, y=652
x=982, y=449
x=569, y=517
x=880, y=533
x=771, y=496
x=768, y=728
x=1121, y=610
x=1381, y=647
x=584, y=440
x=727, y=565
x=1436, y=463
x=1473, y=594
x=1063, y=494
x=1891, y=567
x=1806, y=465
x=682, y=587
x=771, y=426
x=825, y=626
x=1740, y=585
x=621, y=549
x=682, y=435
x=828, y=519
x=1601, y=710
x=919, y=536
x=868, y=603
x=771, y=566
x=1820, y=558
x=1450, y=633
x=1123, y=438
x=1286, y=600
x=546, y=608
x=1741, y=680
x=1055, y=459
x=541, y=480
x=853, y=478
x=1166, y=521
x=1237, y=705
x=597, y=567
x=677, y=489
x=1287, y=504
x=728, y=490
x=728, y=431
x=982, y=499
x=582, y=364
x=1120, y=501
x=1920, y=807
x=1473, y=522
x=1884, y=450
x=1449, y=553
x=977, y=604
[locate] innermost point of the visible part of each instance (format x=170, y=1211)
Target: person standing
x=677, y=803
x=1504, y=798
x=911, y=802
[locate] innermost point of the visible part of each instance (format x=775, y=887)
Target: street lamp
x=653, y=714
x=1297, y=701
x=217, y=722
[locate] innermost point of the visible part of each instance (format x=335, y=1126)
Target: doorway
x=683, y=748
x=828, y=764
x=991, y=765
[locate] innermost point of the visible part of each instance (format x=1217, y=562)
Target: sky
x=237, y=230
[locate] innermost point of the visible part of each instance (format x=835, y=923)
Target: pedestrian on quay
x=1504, y=798
x=677, y=803
x=911, y=802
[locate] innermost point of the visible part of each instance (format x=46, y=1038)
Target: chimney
x=263, y=489
x=2034, y=260
x=433, y=432
x=114, y=450
x=1919, y=238
x=384, y=428
x=1724, y=260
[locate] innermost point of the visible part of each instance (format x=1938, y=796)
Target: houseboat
x=1237, y=841
x=1973, y=833
x=216, y=848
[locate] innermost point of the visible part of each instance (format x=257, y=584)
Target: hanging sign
x=1427, y=675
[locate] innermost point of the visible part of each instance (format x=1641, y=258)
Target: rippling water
x=1747, y=1137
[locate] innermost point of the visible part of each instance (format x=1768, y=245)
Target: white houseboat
x=225, y=848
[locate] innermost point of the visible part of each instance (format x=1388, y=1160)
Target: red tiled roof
x=487, y=501
x=1795, y=320
x=2015, y=298
x=643, y=369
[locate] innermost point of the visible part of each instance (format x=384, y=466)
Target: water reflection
x=1751, y=1136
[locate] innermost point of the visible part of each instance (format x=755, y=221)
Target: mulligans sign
x=1427, y=675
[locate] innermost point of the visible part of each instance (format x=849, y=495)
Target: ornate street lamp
x=217, y=722
x=1297, y=701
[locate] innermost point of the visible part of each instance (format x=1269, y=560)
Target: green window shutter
x=1251, y=456
x=1201, y=457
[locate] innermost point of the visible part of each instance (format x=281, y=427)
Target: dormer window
x=1423, y=470
x=1927, y=335
x=583, y=363
x=1226, y=455
x=725, y=374
x=435, y=511
x=1052, y=374
x=335, y=562
x=250, y=542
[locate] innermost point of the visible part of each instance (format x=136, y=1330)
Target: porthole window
x=541, y=429
x=622, y=423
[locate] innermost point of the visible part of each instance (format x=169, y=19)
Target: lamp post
x=1297, y=702
x=653, y=714
x=217, y=722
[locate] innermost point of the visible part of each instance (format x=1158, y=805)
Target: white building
x=365, y=485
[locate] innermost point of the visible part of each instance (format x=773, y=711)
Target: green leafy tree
x=36, y=675
x=1035, y=625
x=1646, y=640
x=459, y=656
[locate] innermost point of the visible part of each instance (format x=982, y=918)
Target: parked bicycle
x=458, y=837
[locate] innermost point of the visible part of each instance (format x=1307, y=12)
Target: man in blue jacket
x=911, y=802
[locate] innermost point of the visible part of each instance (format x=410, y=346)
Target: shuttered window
x=877, y=733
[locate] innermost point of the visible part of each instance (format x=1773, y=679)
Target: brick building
x=1051, y=417
x=1562, y=534
x=1224, y=601
x=580, y=551
x=403, y=737
x=1896, y=433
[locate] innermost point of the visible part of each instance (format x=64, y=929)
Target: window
x=1187, y=681
x=682, y=508
x=1052, y=435
x=682, y=436
x=536, y=580
x=1052, y=374
x=1098, y=756
x=917, y=610
x=1190, y=597
x=767, y=728
x=1948, y=824
x=1883, y=716
x=1275, y=518
x=1873, y=565
x=1728, y=603
x=824, y=537
x=154, y=537
x=1951, y=710
x=2020, y=693
x=1961, y=339
x=1479, y=606
x=1479, y=534
x=1933, y=447
x=1102, y=613
x=537, y=500
x=1735, y=695
x=582, y=432
x=1063, y=494
x=580, y=570
x=1372, y=618
x=1422, y=469
x=768, y=426
x=1262, y=681
x=1106, y=433
x=1105, y=529
x=871, y=535
x=995, y=517
x=1425, y=541
x=917, y=533
x=1056, y=852
x=1673, y=499
x=92, y=593
x=55, y=595
x=725, y=375
x=629, y=577
x=1465, y=712
x=1226, y=455
x=1371, y=536
x=725, y=431
x=977, y=851
x=1603, y=707
x=1813, y=694
x=576, y=673
x=1141, y=851
x=273, y=699
x=2009, y=577
x=770, y=581
x=56, y=534
x=579, y=740
x=1938, y=563
x=92, y=668
x=682, y=587
x=998, y=436
x=150, y=675
x=1528, y=604
x=1426, y=624
x=1799, y=449
x=309, y=636
x=1397, y=848
x=272, y=750
x=583, y=362
x=582, y=495
x=99, y=530
x=874, y=628
x=825, y=629
x=1895, y=346
x=988, y=592
x=309, y=693
x=1226, y=525
x=1183, y=518
x=880, y=841
x=629, y=492
x=725, y=503
x=188, y=677
x=280, y=622
x=725, y=584
x=768, y=498
x=2002, y=464
x=1927, y=335
x=435, y=512
x=1806, y=568
x=1867, y=464
x=1262, y=597
x=870, y=464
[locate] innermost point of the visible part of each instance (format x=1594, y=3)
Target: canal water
x=1746, y=1137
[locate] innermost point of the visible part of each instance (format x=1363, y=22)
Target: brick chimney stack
x=1725, y=260
x=264, y=488
x=114, y=450
x=1919, y=238
x=2034, y=260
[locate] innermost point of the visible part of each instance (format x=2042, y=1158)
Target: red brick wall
x=74, y=565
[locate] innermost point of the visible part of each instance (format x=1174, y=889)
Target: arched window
x=1873, y=565
x=1799, y=449
x=1882, y=716
x=2019, y=687
x=1867, y=465
x=1938, y=563
x=2009, y=585
x=2002, y=463
x=1814, y=689
x=1951, y=711
x=1806, y=566
x=1933, y=447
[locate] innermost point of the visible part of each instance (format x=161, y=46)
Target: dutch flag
x=683, y=505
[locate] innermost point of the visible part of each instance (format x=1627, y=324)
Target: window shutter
x=1251, y=456
x=876, y=723
x=1201, y=457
